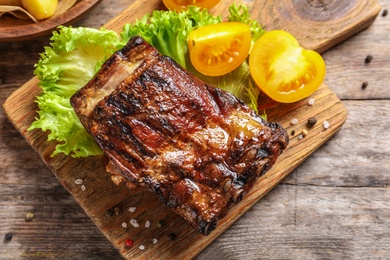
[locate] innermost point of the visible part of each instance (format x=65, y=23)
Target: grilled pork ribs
x=197, y=147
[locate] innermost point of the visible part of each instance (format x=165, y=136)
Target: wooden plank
x=20, y=109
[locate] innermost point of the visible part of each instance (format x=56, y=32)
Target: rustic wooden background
x=335, y=205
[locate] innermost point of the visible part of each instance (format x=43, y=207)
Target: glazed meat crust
x=197, y=147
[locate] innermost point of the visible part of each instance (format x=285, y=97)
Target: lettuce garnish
x=73, y=58
x=76, y=54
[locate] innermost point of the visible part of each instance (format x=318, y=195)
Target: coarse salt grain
x=294, y=121
x=155, y=240
x=78, y=181
x=311, y=101
x=134, y=223
x=326, y=124
x=147, y=224
x=132, y=209
x=141, y=247
x=300, y=137
x=83, y=188
x=124, y=224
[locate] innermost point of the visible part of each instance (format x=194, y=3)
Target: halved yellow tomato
x=283, y=70
x=179, y=5
x=217, y=49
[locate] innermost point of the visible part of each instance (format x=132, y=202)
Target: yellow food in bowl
x=40, y=9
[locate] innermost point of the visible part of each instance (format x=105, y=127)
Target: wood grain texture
x=318, y=24
x=62, y=230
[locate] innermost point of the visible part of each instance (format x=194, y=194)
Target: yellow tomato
x=179, y=5
x=283, y=70
x=40, y=9
x=217, y=49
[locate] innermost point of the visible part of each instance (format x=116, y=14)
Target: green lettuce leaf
x=74, y=57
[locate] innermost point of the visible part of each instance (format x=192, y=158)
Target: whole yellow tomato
x=40, y=9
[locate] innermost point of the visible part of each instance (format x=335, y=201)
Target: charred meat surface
x=197, y=147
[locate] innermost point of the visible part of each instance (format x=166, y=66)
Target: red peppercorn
x=129, y=243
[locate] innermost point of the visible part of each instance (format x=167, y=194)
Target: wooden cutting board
x=318, y=25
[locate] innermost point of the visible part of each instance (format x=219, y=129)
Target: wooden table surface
x=335, y=205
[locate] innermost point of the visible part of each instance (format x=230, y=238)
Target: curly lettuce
x=74, y=57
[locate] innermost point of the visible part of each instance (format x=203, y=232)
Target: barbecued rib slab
x=197, y=147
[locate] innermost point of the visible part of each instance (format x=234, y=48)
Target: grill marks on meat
x=196, y=146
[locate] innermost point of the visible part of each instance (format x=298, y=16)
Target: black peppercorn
x=172, y=236
x=311, y=121
x=109, y=213
x=293, y=132
x=364, y=84
x=385, y=12
x=368, y=59
x=8, y=237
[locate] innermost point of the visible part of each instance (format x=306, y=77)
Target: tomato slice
x=217, y=49
x=283, y=70
x=179, y=5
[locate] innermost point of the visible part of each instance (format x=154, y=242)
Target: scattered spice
x=129, y=243
x=294, y=121
x=364, y=84
x=311, y=121
x=326, y=124
x=78, y=181
x=300, y=137
x=83, y=187
x=147, y=224
x=160, y=223
x=293, y=132
x=141, y=247
x=109, y=213
x=385, y=12
x=368, y=59
x=172, y=236
x=311, y=101
x=117, y=211
x=124, y=224
x=155, y=240
x=29, y=216
x=8, y=237
x=134, y=223
x=304, y=133
x=132, y=209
